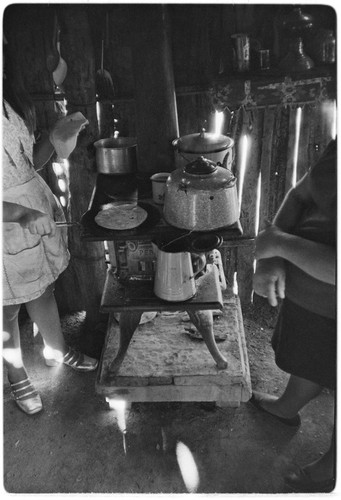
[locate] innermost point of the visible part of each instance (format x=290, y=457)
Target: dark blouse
x=318, y=223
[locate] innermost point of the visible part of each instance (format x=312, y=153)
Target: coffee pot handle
x=198, y=263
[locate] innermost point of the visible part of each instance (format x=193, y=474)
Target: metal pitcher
x=174, y=277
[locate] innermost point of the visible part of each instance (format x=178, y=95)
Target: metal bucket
x=116, y=155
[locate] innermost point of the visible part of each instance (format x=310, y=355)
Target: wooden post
x=87, y=270
x=252, y=124
x=156, y=112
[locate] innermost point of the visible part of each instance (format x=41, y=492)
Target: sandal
x=76, y=360
x=26, y=397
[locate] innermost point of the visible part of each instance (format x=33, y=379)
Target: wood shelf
x=232, y=78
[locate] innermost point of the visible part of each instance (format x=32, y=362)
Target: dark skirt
x=305, y=344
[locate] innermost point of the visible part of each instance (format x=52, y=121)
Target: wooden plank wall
x=272, y=154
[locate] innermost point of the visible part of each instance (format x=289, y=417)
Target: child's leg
x=11, y=344
x=44, y=312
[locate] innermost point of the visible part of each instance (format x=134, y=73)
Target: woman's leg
x=11, y=344
x=296, y=395
x=44, y=312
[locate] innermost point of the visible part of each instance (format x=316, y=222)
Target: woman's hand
x=269, y=279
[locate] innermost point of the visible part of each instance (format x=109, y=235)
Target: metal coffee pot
x=176, y=269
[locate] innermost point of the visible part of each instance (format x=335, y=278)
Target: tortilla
x=64, y=134
x=121, y=217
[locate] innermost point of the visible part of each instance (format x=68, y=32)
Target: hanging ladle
x=104, y=83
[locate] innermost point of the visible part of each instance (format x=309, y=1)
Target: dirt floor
x=76, y=446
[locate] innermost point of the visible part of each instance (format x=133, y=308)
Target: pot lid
x=203, y=142
x=201, y=166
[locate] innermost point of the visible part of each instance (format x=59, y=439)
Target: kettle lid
x=203, y=142
x=201, y=166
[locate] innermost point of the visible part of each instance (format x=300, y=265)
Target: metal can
x=241, y=51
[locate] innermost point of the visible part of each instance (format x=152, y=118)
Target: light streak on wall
x=244, y=150
x=258, y=200
x=334, y=121
x=296, y=145
x=98, y=114
x=235, y=284
x=218, y=122
x=329, y=117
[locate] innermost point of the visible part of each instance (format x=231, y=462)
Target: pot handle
x=224, y=164
x=216, y=244
x=198, y=263
x=184, y=157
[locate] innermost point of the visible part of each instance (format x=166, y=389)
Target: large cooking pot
x=116, y=155
x=201, y=196
x=214, y=147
